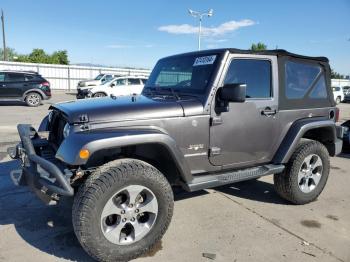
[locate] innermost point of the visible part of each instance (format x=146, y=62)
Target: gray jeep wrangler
x=204, y=119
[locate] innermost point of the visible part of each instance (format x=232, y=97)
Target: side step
x=209, y=181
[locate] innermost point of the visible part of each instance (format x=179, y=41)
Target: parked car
x=204, y=119
x=26, y=86
x=338, y=94
x=346, y=137
x=98, y=80
x=346, y=89
x=120, y=86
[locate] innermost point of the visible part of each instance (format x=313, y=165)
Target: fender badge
x=196, y=147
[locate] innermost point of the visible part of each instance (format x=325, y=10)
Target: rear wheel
x=305, y=175
x=33, y=99
x=122, y=210
x=99, y=94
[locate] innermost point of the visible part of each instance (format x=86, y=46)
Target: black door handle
x=268, y=111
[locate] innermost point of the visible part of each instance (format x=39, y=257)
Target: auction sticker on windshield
x=204, y=60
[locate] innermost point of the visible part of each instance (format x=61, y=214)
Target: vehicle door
x=246, y=132
x=119, y=87
x=14, y=85
x=2, y=85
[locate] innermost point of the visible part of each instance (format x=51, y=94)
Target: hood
x=125, y=108
x=86, y=82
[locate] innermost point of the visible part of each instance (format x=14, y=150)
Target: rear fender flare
x=296, y=132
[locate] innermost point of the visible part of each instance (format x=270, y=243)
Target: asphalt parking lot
x=242, y=222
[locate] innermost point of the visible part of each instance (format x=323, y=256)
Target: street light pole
x=199, y=15
x=3, y=34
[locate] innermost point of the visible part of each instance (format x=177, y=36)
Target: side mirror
x=233, y=92
x=113, y=84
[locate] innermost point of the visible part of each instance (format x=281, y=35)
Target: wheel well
x=155, y=154
x=324, y=135
x=100, y=92
x=37, y=92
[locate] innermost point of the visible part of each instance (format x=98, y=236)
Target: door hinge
x=215, y=121
x=215, y=151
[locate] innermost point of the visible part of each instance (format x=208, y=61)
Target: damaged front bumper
x=46, y=177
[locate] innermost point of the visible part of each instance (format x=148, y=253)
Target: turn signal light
x=84, y=154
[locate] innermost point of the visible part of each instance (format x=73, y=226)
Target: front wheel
x=305, y=175
x=99, y=94
x=122, y=210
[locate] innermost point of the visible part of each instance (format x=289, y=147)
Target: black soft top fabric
x=276, y=52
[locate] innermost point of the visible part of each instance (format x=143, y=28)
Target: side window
x=256, y=74
x=133, y=81
x=300, y=79
x=29, y=77
x=108, y=78
x=2, y=77
x=11, y=77
x=120, y=82
x=144, y=81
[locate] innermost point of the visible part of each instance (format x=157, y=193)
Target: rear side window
x=2, y=77
x=305, y=84
x=29, y=77
x=144, y=81
x=10, y=77
x=256, y=74
x=300, y=78
x=133, y=81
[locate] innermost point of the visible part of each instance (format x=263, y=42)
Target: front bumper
x=47, y=178
x=82, y=93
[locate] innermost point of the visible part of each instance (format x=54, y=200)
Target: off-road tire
x=33, y=99
x=99, y=94
x=99, y=187
x=286, y=183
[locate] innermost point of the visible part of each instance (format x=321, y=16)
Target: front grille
x=56, y=128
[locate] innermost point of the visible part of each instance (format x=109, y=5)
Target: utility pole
x=199, y=15
x=3, y=34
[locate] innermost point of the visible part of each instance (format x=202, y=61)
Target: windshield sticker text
x=204, y=60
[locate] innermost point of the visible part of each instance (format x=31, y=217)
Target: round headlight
x=66, y=130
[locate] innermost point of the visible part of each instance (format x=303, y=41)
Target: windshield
x=188, y=74
x=99, y=76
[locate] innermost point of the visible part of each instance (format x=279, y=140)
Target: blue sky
x=138, y=33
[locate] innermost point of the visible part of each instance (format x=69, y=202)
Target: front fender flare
x=94, y=141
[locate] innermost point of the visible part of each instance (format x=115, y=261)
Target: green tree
x=59, y=57
x=10, y=54
x=258, y=47
x=38, y=56
x=335, y=75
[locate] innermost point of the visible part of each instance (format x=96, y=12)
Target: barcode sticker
x=204, y=60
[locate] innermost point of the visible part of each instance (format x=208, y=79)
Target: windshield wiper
x=158, y=91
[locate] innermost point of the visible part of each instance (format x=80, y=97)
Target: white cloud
x=209, y=31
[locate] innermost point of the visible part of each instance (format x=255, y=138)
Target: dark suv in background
x=26, y=86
